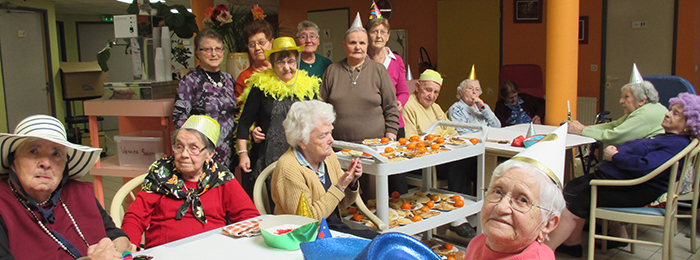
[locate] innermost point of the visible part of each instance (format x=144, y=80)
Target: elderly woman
x=379, y=32
x=630, y=160
x=209, y=91
x=188, y=193
x=642, y=119
x=310, y=167
x=44, y=212
x=259, y=39
x=518, y=108
x=311, y=62
x=522, y=204
x=267, y=101
x=361, y=91
x=470, y=108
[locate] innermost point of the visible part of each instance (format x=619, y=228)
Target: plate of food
x=353, y=153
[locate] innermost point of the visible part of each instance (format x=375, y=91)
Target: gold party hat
x=472, y=75
x=303, y=208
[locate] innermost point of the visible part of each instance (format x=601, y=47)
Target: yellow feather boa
x=305, y=87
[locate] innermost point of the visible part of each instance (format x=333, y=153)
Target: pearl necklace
x=216, y=84
x=41, y=224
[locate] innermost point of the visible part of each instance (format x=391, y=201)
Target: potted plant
x=229, y=21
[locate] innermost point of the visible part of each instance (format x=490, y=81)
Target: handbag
x=422, y=64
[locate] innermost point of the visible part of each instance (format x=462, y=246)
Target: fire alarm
x=385, y=7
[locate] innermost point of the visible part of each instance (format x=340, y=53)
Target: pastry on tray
x=425, y=213
x=444, y=206
x=374, y=141
x=456, y=141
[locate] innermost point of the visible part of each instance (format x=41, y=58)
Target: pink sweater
x=397, y=72
x=478, y=250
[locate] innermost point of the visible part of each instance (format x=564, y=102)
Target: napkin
x=248, y=228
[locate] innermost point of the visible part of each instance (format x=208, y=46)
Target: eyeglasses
x=521, y=204
x=474, y=89
x=209, y=50
x=192, y=150
x=379, y=32
x=290, y=62
x=260, y=42
x=310, y=37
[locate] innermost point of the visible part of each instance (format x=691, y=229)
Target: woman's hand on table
x=105, y=249
x=258, y=135
x=537, y=120
x=123, y=244
x=609, y=152
x=349, y=177
x=575, y=127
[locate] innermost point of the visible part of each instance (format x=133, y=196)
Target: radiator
x=587, y=107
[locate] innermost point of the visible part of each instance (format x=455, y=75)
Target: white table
x=215, y=245
x=494, y=150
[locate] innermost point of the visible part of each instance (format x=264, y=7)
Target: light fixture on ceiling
x=131, y=1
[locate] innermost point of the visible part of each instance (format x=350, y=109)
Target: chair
x=116, y=211
x=261, y=201
x=664, y=218
x=693, y=195
x=527, y=76
x=669, y=86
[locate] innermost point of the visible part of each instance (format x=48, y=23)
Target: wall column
x=562, y=59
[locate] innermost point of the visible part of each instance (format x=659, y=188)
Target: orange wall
x=419, y=17
x=526, y=43
x=688, y=41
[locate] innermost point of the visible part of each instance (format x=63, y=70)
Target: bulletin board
x=332, y=24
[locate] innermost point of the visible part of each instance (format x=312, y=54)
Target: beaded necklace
x=41, y=224
x=216, y=84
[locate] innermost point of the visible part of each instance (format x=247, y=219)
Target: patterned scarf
x=517, y=114
x=164, y=178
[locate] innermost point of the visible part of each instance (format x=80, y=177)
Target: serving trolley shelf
x=381, y=168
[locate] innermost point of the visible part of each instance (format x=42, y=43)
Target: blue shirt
x=461, y=112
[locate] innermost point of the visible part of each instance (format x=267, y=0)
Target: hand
x=399, y=105
x=123, y=244
x=390, y=135
x=244, y=162
x=479, y=103
x=537, y=120
x=575, y=127
x=105, y=249
x=609, y=152
x=258, y=135
x=354, y=172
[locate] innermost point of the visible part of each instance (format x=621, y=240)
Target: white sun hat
x=80, y=158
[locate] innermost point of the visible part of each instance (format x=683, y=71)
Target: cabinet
x=131, y=115
x=381, y=168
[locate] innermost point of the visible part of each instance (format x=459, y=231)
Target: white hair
x=306, y=24
x=303, y=117
x=551, y=197
x=642, y=91
x=463, y=85
x=354, y=29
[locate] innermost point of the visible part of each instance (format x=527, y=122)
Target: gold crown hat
x=357, y=23
x=283, y=44
x=431, y=75
x=472, y=75
x=636, y=77
x=547, y=155
x=205, y=125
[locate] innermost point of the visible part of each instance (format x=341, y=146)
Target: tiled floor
x=681, y=240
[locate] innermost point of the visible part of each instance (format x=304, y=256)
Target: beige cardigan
x=290, y=179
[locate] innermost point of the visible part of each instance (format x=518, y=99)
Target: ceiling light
x=131, y=1
x=175, y=10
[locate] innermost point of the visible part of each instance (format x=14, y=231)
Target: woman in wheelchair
x=630, y=160
x=310, y=168
x=188, y=193
x=642, y=119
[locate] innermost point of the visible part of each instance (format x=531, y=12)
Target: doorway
x=637, y=31
x=23, y=49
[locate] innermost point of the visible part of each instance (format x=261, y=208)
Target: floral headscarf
x=164, y=178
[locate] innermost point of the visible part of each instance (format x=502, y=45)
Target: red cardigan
x=155, y=214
